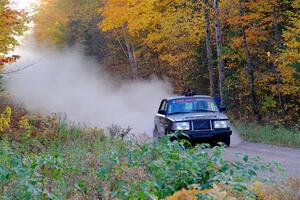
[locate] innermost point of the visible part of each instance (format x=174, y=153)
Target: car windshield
x=190, y=105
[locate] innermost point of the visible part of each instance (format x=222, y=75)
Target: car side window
x=163, y=105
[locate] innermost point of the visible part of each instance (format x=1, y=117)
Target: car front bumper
x=207, y=135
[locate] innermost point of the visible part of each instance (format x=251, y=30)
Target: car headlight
x=221, y=124
x=181, y=126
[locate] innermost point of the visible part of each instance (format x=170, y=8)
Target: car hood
x=196, y=116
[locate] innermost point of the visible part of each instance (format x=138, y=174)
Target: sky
x=24, y=4
x=30, y=6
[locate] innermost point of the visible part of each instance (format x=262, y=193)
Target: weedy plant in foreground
x=89, y=164
x=156, y=170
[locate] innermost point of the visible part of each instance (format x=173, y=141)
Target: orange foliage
x=171, y=28
x=16, y=122
x=187, y=194
x=50, y=21
x=12, y=24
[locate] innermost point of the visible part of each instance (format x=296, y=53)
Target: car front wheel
x=226, y=141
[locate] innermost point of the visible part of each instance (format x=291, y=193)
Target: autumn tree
x=170, y=29
x=249, y=64
x=289, y=62
x=12, y=24
x=62, y=23
x=253, y=50
x=51, y=21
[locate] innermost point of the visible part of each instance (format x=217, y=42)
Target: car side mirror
x=223, y=109
x=162, y=112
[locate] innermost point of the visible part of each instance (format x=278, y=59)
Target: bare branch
x=17, y=70
x=20, y=69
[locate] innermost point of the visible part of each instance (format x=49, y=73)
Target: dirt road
x=288, y=157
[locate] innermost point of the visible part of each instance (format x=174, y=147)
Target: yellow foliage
x=291, y=55
x=216, y=192
x=53, y=15
x=24, y=123
x=187, y=194
x=5, y=119
x=12, y=24
x=258, y=188
x=257, y=10
x=59, y=20
x=172, y=28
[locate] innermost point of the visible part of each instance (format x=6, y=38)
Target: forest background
x=246, y=52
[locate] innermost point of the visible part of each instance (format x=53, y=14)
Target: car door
x=160, y=118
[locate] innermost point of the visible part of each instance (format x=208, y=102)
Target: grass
x=268, y=134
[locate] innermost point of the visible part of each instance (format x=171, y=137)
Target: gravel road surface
x=288, y=157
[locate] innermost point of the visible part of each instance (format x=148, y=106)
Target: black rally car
x=197, y=117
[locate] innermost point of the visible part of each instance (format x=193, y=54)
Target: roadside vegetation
x=246, y=52
x=268, y=134
x=50, y=158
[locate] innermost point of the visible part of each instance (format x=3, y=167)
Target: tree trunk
x=131, y=57
x=276, y=29
x=274, y=55
x=219, y=50
x=130, y=51
x=208, y=50
x=159, y=73
x=249, y=67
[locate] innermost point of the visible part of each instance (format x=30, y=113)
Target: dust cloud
x=236, y=140
x=66, y=81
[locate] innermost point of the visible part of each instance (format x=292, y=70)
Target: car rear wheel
x=226, y=141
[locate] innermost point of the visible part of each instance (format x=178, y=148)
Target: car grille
x=201, y=125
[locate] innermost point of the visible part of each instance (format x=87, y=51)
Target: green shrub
x=158, y=169
x=28, y=177
x=268, y=134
